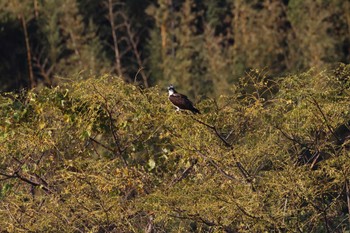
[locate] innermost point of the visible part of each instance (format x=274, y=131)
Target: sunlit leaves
x=103, y=154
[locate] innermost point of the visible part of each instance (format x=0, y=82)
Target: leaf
x=5, y=189
x=42, y=125
x=151, y=164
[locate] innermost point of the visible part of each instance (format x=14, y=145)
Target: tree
x=271, y=156
x=125, y=41
x=312, y=40
x=23, y=12
x=181, y=43
x=80, y=42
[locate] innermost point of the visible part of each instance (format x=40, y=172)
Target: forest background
x=202, y=45
x=90, y=143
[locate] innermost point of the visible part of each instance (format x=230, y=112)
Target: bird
x=180, y=101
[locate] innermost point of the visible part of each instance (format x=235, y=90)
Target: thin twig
x=212, y=162
x=101, y=144
x=17, y=175
x=326, y=121
x=229, y=134
x=28, y=49
x=195, y=217
x=138, y=71
x=184, y=174
x=227, y=144
x=111, y=125
x=347, y=190
x=287, y=136
x=117, y=57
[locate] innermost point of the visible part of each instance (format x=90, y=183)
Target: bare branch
x=240, y=167
x=138, y=71
x=325, y=120
x=101, y=144
x=117, y=57
x=112, y=127
x=347, y=191
x=288, y=137
x=134, y=42
x=16, y=175
x=45, y=73
x=229, y=134
x=227, y=144
x=29, y=53
x=212, y=162
x=184, y=174
x=195, y=217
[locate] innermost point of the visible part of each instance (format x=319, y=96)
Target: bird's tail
x=195, y=111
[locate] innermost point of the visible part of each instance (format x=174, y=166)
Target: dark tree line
x=204, y=45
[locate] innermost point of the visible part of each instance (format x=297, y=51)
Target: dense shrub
x=102, y=156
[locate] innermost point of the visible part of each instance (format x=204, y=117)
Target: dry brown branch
x=184, y=174
x=112, y=127
x=347, y=191
x=28, y=49
x=326, y=120
x=101, y=144
x=134, y=42
x=226, y=143
x=239, y=165
x=16, y=175
x=43, y=70
x=117, y=56
x=212, y=162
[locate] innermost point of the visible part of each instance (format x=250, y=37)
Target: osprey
x=180, y=101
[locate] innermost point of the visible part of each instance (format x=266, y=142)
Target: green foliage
x=312, y=25
x=204, y=46
x=101, y=155
x=69, y=45
x=181, y=59
x=208, y=45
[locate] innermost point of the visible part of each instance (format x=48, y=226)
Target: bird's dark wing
x=181, y=101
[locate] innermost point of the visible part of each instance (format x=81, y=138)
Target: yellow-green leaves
x=103, y=154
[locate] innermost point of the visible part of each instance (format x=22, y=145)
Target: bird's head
x=171, y=89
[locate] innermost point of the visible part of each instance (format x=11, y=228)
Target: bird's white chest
x=171, y=92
